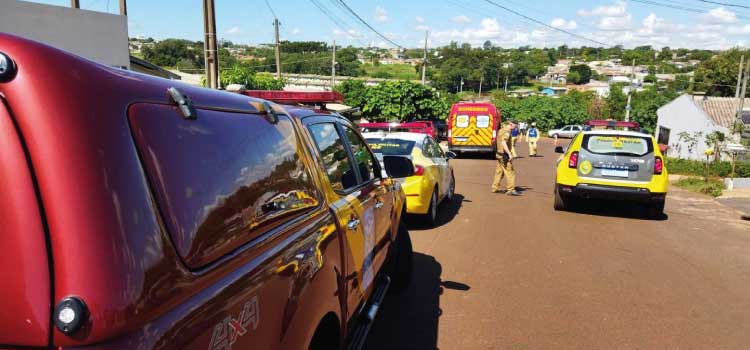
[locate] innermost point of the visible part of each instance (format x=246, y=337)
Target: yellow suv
x=612, y=164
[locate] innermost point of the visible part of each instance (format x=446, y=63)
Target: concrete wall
x=682, y=115
x=98, y=36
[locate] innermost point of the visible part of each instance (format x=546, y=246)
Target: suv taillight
x=573, y=160
x=418, y=170
x=658, y=166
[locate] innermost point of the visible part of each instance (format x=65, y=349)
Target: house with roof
x=683, y=124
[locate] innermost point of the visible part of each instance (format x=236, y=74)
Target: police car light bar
x=613, y=124
x=296, y=97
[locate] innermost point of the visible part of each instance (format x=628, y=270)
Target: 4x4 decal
x=227, y=331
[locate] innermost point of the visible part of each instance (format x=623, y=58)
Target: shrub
x=698, y=168
x=712, y=186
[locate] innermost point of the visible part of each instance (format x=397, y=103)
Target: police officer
x=532, y=136
x=504, y=157
x=514, y=135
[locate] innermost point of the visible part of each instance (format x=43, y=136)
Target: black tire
x=451, y=190
x=431, y=216
x=559, y=201
x=656, y=210
x=402, y=261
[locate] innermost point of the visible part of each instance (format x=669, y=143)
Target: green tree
x=354, y=92
x=718, y=75
x=584, y=74
x=402, y=100
x=167, y=53
x=245, y=75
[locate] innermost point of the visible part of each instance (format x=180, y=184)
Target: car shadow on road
x=409, y=320
x=620, y=209
x=447, y=211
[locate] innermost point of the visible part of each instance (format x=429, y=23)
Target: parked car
x=612, y=164
x=432, y=182
x=568, y=131
x=142, y=213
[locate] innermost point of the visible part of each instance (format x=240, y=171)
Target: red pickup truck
x=141, y=213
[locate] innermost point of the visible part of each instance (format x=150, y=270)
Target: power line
x=725, y=4
x=547, y=25
x=678, y=7
x=338, y=22
x=349, y=9
x=271, y=9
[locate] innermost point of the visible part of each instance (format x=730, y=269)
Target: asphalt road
x=505, y=272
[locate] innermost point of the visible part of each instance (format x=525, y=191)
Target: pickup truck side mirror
x=450, y=155
x=559, y=149
x=398, y=167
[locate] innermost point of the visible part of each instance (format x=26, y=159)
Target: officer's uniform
x=504, y=165
x=513, y=138
x=532, y=136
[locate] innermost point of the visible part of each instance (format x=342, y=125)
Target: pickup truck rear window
x=617, y=145
x=391, y=147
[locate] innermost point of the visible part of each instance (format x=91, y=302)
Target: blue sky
x=629, y=23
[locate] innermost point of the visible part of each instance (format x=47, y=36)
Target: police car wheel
x=451, y=189
x=431, y=216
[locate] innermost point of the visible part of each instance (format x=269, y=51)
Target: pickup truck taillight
x=658, y=166
x=573, y=160
x=418, y=170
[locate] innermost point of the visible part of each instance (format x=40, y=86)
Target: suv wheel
x=402, y=260
x=431, y=216
x=655, y=210
x=559, y=201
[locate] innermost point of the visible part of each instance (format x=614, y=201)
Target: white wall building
x=100, y=37
x=696, y=116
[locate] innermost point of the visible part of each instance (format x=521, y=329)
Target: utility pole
x=630, y=91
x=739, y=77
x=209, y=44
x=743, y=93
x=76, y=4
x=424, y=59
x=506, y=85
x=481, y=79
x=461, y=87
x=277, y=48
x=123, y=7
x=333, y=67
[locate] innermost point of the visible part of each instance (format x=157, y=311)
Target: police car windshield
x=617, y=145
x=391, y=147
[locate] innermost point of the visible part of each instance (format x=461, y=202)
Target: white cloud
x=720, y=15
x=488, y=28
x=350, y=34
x=561, y=23
x=419, y=20
x=618, y=9
x=615, y=23
x=739, y=29
x=654, y=24
x=463, y=19
x=422, y=28
x=380, y=14
x=296, y=31
x=234, y=30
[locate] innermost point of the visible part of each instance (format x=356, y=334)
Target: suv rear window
x=617, y=145
x=391, y=147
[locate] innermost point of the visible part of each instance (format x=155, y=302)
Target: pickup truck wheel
x=559, y=201
x=431, y=216
x=402, y=261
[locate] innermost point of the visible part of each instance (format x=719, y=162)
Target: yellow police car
x=433, y=180
x=611, y=164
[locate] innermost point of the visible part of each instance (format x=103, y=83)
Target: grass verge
x=713, y=187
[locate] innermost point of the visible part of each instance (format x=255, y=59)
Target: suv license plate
x=616, y=173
